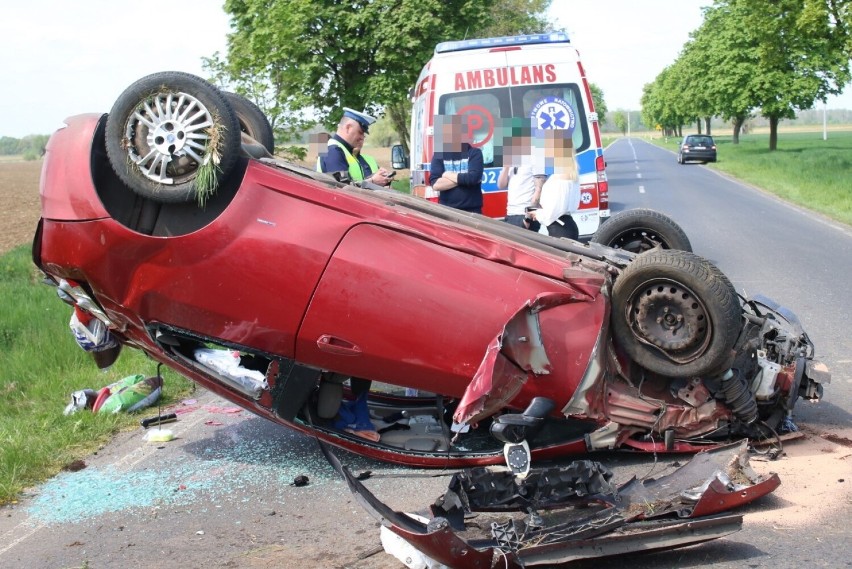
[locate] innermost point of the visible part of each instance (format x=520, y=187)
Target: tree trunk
x=773, y=133
x=698, y=125
x=738, y=125
x=707, y=124
x=399, y=115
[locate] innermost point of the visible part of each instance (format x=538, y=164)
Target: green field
x=805, y=169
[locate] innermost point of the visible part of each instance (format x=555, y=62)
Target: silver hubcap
x=167, y=137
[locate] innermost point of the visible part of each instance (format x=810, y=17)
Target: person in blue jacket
x=456, y=168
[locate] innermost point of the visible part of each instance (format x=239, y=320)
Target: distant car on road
x=696, y=147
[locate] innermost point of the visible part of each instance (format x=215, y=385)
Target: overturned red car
x=281, y=289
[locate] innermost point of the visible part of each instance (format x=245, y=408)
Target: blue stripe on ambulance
x=585, y=159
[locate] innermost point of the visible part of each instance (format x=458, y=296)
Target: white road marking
x=641, y=189
x=806, y=212
x=15, y=542
x=127, y=461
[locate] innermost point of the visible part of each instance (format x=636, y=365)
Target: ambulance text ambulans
x=495, y=81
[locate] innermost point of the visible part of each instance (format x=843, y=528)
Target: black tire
x=639, y=230
x=253, y=121
x=188, y=116
x=676, y=314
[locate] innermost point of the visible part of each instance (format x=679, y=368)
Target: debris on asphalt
x=159, y=436
x=158, y=420
x=300, y=480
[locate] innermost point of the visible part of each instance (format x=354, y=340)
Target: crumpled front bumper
x=488, y=519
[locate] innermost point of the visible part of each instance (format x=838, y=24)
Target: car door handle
x=334, y=345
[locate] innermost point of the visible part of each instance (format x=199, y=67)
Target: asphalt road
x=764, y=245
x=220, y=495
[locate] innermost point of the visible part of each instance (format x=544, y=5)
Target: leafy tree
x=720, y=60
x=382, y=133
x=802, y=56
x=31, y=146
x=364, y=54
x=8, y=146
x=620, y=120
x=265, y=89
x=776, y=55
x=663, y=103
x=678, y=92
x=651, y=105
x=600, y=103
x=514, y=17
x=695, y=96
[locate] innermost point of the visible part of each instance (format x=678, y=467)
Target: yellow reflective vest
x=355, y=171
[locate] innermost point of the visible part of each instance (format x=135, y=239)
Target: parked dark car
x=696, y=148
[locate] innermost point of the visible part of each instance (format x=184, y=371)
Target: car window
x=531, y=96
x=490, y=108
x=481, y=110
x=699, y=140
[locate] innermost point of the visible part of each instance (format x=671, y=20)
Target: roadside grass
x=402, y=184
x=607, y=139
x=41, y=366
x=805, y=169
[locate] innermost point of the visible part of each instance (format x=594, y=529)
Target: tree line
x=773, y=57
x=31, y=147
x=322, y=55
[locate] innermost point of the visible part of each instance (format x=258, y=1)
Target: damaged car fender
x=488, y=518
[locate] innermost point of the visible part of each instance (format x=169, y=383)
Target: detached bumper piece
x=557, y=515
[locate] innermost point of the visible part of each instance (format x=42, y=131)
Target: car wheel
x=172, y=137
x=638, y=230
x=676, y=314
x=253, y=121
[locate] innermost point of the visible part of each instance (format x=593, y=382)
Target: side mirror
x=399, y=158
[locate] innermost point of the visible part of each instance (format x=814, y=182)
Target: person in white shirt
x=560, y=195
x=522, y=182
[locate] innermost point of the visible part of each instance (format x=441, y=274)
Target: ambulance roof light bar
x=529, y=39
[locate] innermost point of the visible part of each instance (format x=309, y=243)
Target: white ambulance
x=534, y=78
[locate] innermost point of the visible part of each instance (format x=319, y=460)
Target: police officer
x=344, y=150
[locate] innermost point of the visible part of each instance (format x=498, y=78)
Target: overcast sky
x=59, y=57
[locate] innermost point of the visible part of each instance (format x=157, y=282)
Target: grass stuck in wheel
x=207, y=176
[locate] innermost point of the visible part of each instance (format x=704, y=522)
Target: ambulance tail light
x=603, y=186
